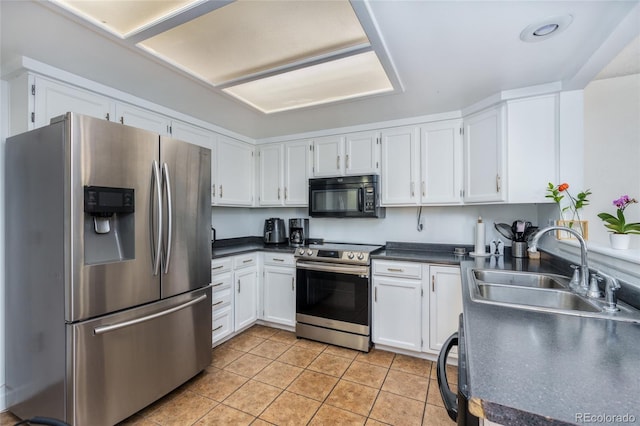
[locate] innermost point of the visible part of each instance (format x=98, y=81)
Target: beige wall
x=612, y=150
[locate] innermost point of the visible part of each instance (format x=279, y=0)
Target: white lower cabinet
x=222, y=299
x=415, y=306
x=245, y=282
x=279, y=289
x=445, y=305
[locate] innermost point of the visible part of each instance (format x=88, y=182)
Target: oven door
x=334, y=296
x=456, y=404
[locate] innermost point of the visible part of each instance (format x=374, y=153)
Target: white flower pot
x=620, y=241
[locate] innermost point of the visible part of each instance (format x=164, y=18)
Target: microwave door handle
x=360, y=199
x=449, y=398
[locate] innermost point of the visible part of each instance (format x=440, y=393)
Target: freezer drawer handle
x=113, y=327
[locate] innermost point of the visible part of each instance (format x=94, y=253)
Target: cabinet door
x=445, y=304
x=328, y=157
x=441, y=162
x=271, y=169
x=296, y=173
x=192, y=134
x=400, y=164
x=532, y=140
x=397, y=312
x=142, y=119
x=246, y=297
x=235, y=172
x=362, y=153
x=279, y=292
x=484, y=156
x=53, y=99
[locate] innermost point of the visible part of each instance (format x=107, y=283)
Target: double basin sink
x=540, y=292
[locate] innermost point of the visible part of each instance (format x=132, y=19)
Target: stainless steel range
x=333, y=296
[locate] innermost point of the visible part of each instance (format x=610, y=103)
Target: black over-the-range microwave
x=348, y=196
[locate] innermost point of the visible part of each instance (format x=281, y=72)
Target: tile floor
x=267, y=376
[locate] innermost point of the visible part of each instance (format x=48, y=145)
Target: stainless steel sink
x=524, y=279
x=553, y=299
x=541, y=293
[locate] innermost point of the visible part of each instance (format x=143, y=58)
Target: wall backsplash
x=452, y=224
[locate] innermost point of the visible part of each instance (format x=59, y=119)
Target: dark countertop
x=234, y=246
x=536, y=368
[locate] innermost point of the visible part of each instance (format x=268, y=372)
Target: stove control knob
x=309, y=252
x=360, y=256
x=301, y=251
x=350, y=255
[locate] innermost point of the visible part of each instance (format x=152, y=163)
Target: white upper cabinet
x=400, y=166
x=532, y=158
x=192, y=134
x=142, y=118
x=283, y=173
x=362, y=153
x=343, y=155
x=328, y=156
x=270, y=182
x=297, y=164
x=484, y=156
x=441, y=162
x=233, y=173
x=511, y=151
x=52, y=99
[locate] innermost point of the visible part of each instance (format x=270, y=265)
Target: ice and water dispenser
x=109, y=225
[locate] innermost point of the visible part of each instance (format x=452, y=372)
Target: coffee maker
x=298, y=231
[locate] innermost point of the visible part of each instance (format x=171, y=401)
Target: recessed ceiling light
x=546, y=28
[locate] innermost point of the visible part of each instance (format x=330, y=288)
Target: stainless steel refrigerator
x=108, y=298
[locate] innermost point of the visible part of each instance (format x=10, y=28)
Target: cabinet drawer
x=245, y=260
x=222, y=324
x=397, y=269
x=221, y=265
x=279, y=259
x=219, y=281
x=222, y=294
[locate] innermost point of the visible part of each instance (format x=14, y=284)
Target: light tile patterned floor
x=267, y=376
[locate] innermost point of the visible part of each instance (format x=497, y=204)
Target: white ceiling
x=448, y=55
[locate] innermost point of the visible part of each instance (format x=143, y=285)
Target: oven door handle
x=449, y=398
x=362, y=271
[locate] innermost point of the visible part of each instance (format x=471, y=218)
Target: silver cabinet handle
x=247, y=261
x=433, y=283
x=112, y=327
x=277, y=259
x=166, y=178
x=122, y=119
x=395, y=269
x=217, y=303
x=213, y=191
x=285, y=192
x=424, y=188
x=293, y=287
x=338, y=163
x=278, y=193
x=217, y=328
x=220, y=191
x=375, y=294
x=413, y=189
x=238, y=286
x=497, y=183
x=217, y=267
x=346, y=162
x=158, y=191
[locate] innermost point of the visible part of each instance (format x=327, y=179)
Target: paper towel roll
x=480, y=237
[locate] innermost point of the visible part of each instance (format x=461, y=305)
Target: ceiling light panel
x=345, y=78
x=246, y=38
x=124, y=17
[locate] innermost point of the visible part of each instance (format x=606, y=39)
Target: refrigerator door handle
x=167, y=187
x=157, y=248
x=113, y=327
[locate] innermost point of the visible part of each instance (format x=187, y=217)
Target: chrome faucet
x=584, y=267
x=612, y=285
